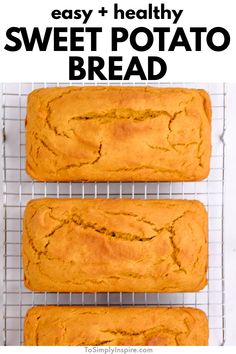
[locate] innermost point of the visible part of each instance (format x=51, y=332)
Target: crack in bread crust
x=135, y=244
x=160, y=147
x=50, y=325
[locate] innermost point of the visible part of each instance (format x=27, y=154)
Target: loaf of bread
x=115, y=245
x=118, y=134
x=57, y=325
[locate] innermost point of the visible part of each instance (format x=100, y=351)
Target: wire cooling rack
x=19, y=189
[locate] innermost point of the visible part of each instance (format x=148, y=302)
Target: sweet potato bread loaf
x=118, y=134
x=100, y=245
x=56, y=325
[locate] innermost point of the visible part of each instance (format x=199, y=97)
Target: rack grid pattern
x=19, y=189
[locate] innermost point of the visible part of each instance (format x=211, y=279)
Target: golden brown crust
x=118, y=133
x=57, y=325
x=206, y=104
x=115, y=245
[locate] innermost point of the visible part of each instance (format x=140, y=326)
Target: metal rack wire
x=19, y=188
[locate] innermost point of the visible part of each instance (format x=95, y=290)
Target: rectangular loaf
x=118, y=134
x=115, y=245
x=59, y=325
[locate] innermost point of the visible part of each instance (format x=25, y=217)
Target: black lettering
x=161, y=31
x=93, y=31
x=77, y=14
x=118, y=12
x=12, y=38
x=36, y=38
x=58, y=39
x=133, y=39
x=95, y=65
x=198, y=36
x=156, y=11
x=130, y=14
x=113, y=67
x=165, y=11
x=74, y=39
x=212, y=45
x=141, y=14
x=179, y=40
x=135, y=69
x=177, y=15
x=151, y=71
x=115, y=39
x=76, y=64
x=86, y=15
x=56, y=14
x=67, y=14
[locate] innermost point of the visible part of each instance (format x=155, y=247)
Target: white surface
x=20, y=189
x=230, y=216
x=115, y=350
x=1, y=223
x=35, y=66
x=181, y=65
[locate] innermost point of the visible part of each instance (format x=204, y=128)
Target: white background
x=182, y=66
x=205, y=66
x=230, y=212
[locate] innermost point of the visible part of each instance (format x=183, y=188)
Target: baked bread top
x=118, y=134
x=60, y=325
x=101, y=245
